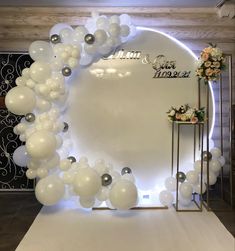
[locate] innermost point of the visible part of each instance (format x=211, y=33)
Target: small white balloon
x=212, y=178
x=129, y=176
x=114, y=19
x=216, y=152
x=20, y=100
x=43, y=105
x=66, y=35
x=166, y=198
x=87, y=202
x=186, y=190
x=58, y=27
x=42, y=172
x=125, y=30
x=65, y=164
x=114, y=29
x=222, y=160
x=20, y=156
x=102, y=23
x=170, y=184
x=103, y=194
x=214, y=165
x=68, y=177
x=31, y=174
x=197, y=188
x=49, y=190
x=192, y=177
x=100, y=36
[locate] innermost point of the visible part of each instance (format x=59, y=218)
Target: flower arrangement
x=210, y=63
x=185, y=113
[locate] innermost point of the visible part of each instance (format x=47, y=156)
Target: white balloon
x=185, y=201
x=52, y=162
x=20, y=156
x=186, y=190
x=216, y=153
x=56, y=64
x=166, y=198
x=42, y=172
x=20, y=81
x=214, y=165
x=65, y=164
x=31, y=174
x=192, y=177
x=222, y=160
x=25, y=73
x=125, y=30
x=212, y=178
x=87, y=182
x=100, y=36
x=102, y=23
x=43, y=105
x=115, y=175
x=170, y=184
x=103, y=194
x=104, y=49
x=68, y=177
x=114, y=19
x=41, y=51
x=21, y=127
x=79, y=34
x=66, y=35
x=125, y=19
x=197, y=166
x=123, y=194
x=129, y=176
x=49, y=190
x=20, y=100
x=58, y=27
x=197, y=188
x=90, y=49
x=101, y=168
x=87, y=202
x=34, y=164
x=114, y=29
x=41, y=144
x=40, y=71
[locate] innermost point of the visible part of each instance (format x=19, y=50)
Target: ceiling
x=113, y=3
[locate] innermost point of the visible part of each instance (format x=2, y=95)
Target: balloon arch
x=40, y=96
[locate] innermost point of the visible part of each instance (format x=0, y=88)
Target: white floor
x=69, y=229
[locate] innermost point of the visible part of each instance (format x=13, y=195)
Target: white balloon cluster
x=41, y=94
x=191, y=181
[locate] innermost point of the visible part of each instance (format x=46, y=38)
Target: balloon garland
x=40, y=96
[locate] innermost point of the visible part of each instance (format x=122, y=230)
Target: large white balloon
x=123, y=194
x=186, y=190
x=87, y=182
x=87, y=202
x=41, y=144
x=20, y=156
x=40, y=71
x=41, y=51
x=49, y=190
x=166, y=198
x=20, y=100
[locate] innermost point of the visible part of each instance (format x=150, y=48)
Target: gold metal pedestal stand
x=177, y=125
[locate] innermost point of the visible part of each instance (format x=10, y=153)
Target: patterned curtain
x=12, y=177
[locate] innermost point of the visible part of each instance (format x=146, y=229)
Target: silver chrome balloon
x=30, y=117
x=72, y=159
x=89, y=38
x=206, y=156
x=126, y=170
x=55, y=39
x=181, y=177
x=66, y=127
x=106, y=179
x=66, y=71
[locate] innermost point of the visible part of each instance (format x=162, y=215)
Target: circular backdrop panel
x=117, y=107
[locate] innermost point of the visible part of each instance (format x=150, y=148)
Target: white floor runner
x=69, y=229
